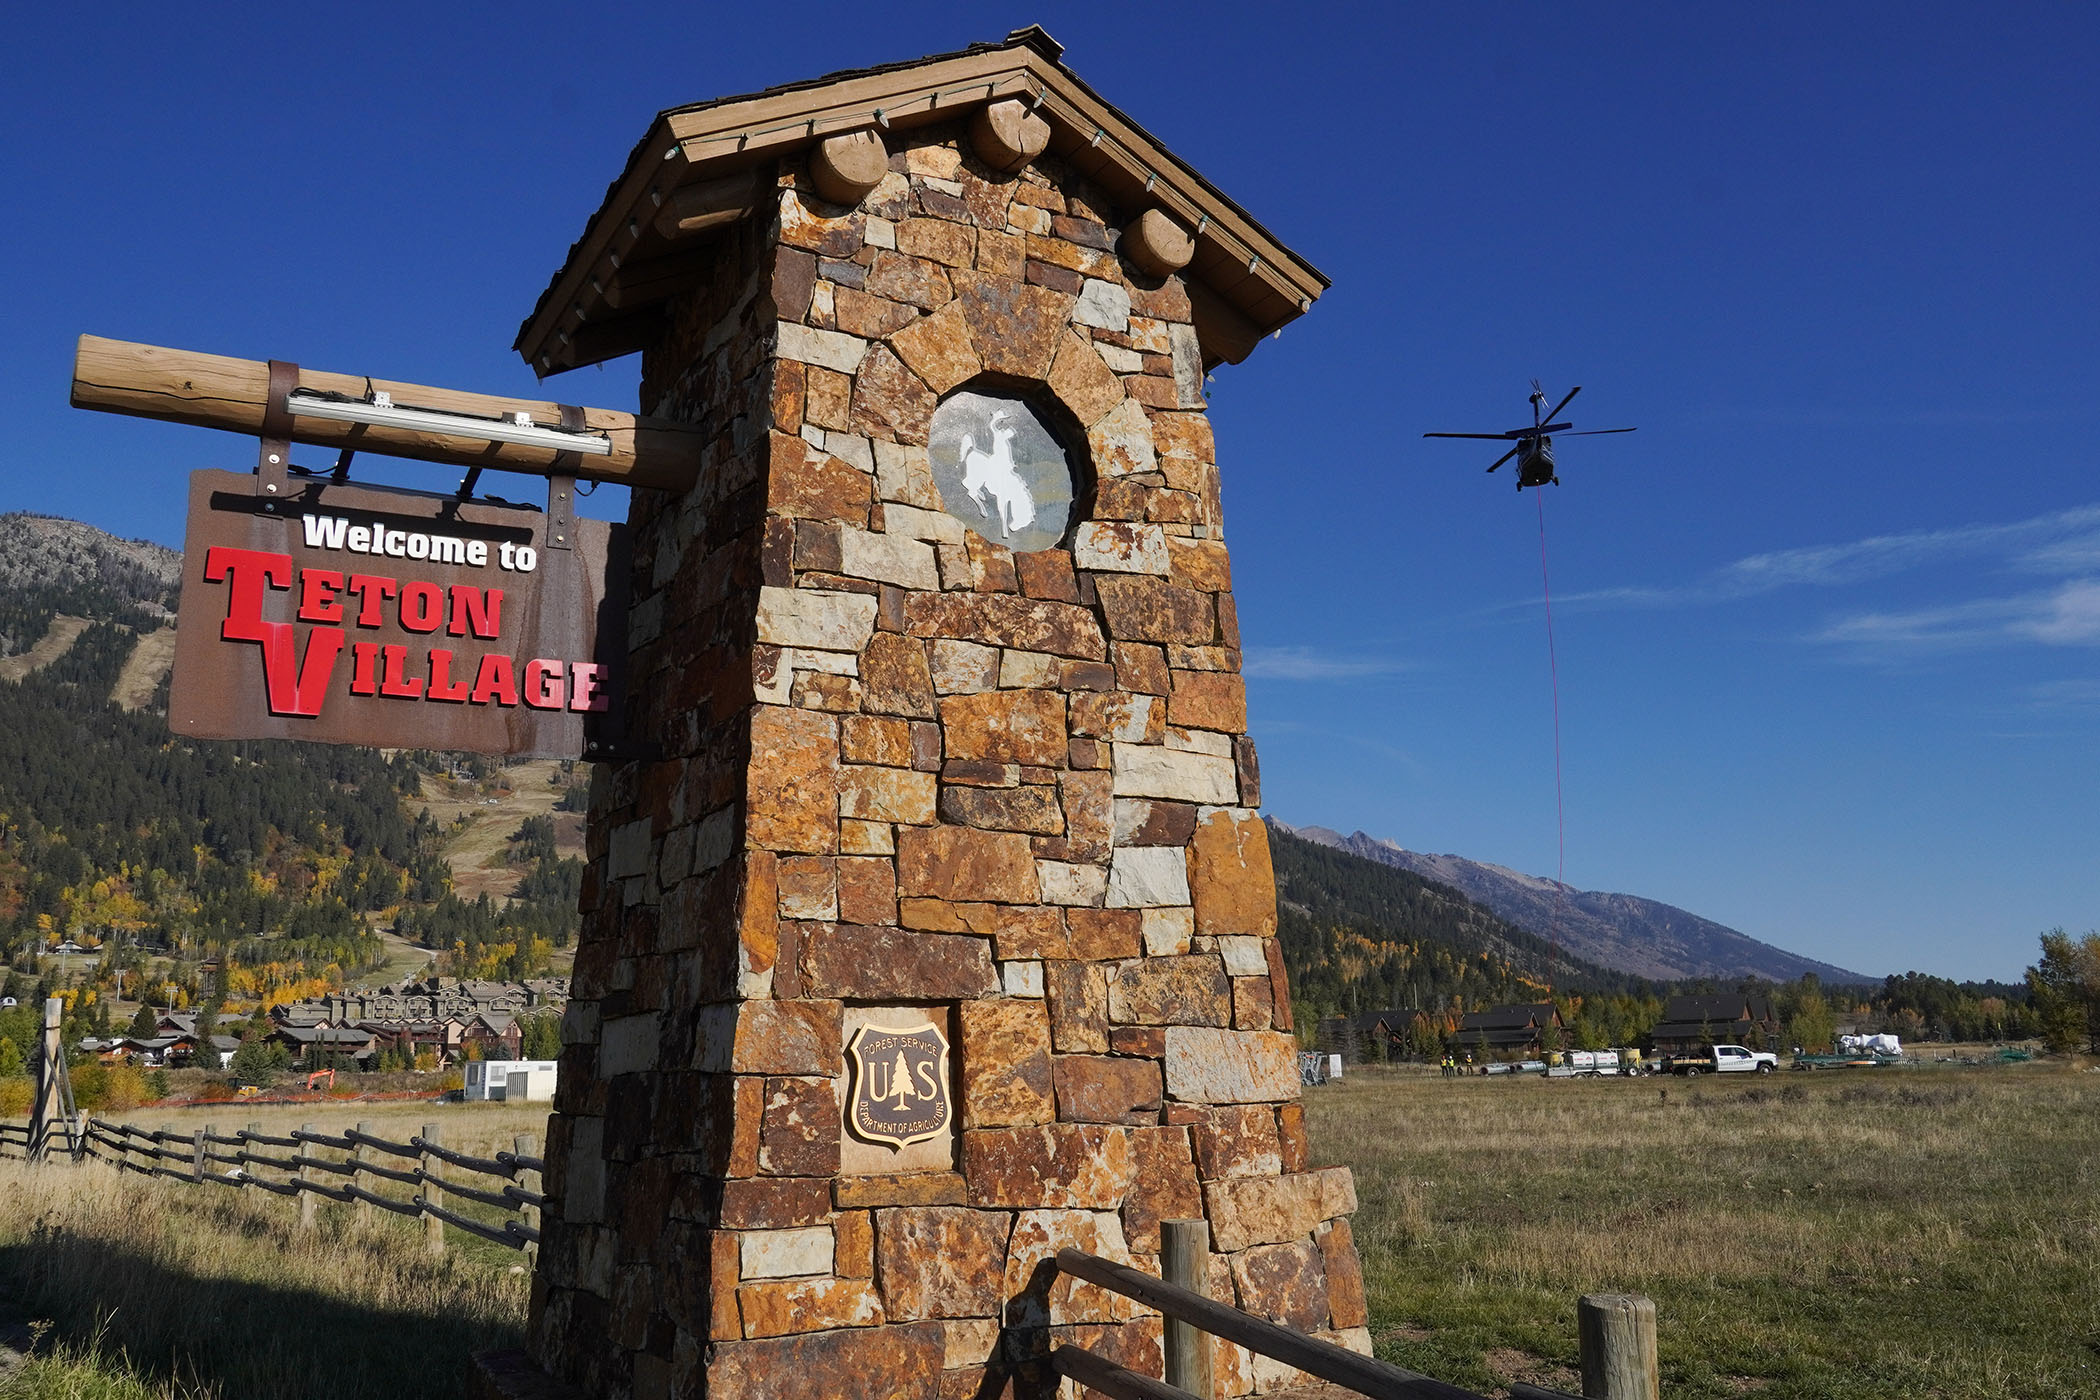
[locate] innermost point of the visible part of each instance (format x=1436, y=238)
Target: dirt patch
x=148, y=662
x=1508, y=1366
x=58, y=639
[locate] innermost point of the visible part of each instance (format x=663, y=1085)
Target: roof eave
x=1238, y=264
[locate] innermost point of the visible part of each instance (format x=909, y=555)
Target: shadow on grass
x=235, y=1339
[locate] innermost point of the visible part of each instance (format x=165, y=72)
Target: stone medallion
x=1001, y=471
x=900, y=1083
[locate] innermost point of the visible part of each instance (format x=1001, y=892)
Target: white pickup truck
x=1725, y=1059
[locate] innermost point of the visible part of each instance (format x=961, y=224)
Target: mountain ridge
x=1625, y=932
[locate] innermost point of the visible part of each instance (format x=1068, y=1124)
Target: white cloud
x=2060, y=543
x=2067, y=615
x=2075, y=692
x=1306, y=664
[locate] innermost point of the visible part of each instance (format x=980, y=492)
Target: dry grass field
x=159, y=1290
x=1883, y=1233
x=1931, y=1232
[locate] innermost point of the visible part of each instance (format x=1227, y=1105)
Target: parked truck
x=1722, y=1059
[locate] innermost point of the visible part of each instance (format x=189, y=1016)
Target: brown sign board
x=353, y=614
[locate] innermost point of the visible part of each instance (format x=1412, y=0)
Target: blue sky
x=1828, y=624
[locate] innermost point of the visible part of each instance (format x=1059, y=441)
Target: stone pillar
x=914, y=778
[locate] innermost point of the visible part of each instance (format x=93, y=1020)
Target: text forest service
x=465, y=630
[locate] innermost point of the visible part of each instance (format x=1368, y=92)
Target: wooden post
x=197, y=1151
x=358, y=1158
x=526, y=1145
x=1184, y=1258
x=1618, y=1347
x=307, y=1200
x=49, y=1110
x=433, y=1228
x=247, y=1145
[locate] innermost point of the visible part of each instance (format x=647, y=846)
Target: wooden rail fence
x=299, y=1169
x=1617, y=1331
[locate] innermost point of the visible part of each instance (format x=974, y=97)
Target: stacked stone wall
x=908, y=768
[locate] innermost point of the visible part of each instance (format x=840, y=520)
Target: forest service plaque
x=900, y=1083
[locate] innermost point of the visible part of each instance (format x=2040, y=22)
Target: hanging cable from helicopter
x=1533, y=449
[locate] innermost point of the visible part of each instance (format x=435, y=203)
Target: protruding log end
x=845, y=167
x=1158, y=244
x=1006, y=135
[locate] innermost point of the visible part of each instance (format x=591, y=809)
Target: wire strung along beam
x=377, y=415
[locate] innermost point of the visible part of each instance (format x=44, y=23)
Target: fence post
x=300, y=1177
x=1618, y=1346
x=526, y=1145
x=357, y=1159
x=433, y=1193
x=1184, y=1257
x=197, y=1151
x=49, y=1110
x=248, y=1145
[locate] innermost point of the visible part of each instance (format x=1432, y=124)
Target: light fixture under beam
x=308, y=404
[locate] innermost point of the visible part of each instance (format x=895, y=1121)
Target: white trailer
x=509, y=1080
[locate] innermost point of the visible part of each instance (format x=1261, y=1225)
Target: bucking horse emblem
x=993, y=474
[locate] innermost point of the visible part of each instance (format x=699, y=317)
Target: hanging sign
x=353, y=614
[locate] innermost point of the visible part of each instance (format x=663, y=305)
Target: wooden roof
x=606, y=298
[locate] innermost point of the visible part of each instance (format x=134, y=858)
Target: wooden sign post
x=315, y=607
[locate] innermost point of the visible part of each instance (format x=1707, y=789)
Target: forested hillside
x=1359, y=936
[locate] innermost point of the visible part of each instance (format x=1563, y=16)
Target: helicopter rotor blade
x=1505, y=457
x=1594, y=432
x=1491, y=437
x=1563, y=403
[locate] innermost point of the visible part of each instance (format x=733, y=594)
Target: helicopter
x=1534, y=446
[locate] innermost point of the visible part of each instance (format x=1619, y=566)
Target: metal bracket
x=561, y=487
x=622, y=751
x=273, y=460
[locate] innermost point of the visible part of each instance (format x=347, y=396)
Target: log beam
x=219, y=391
